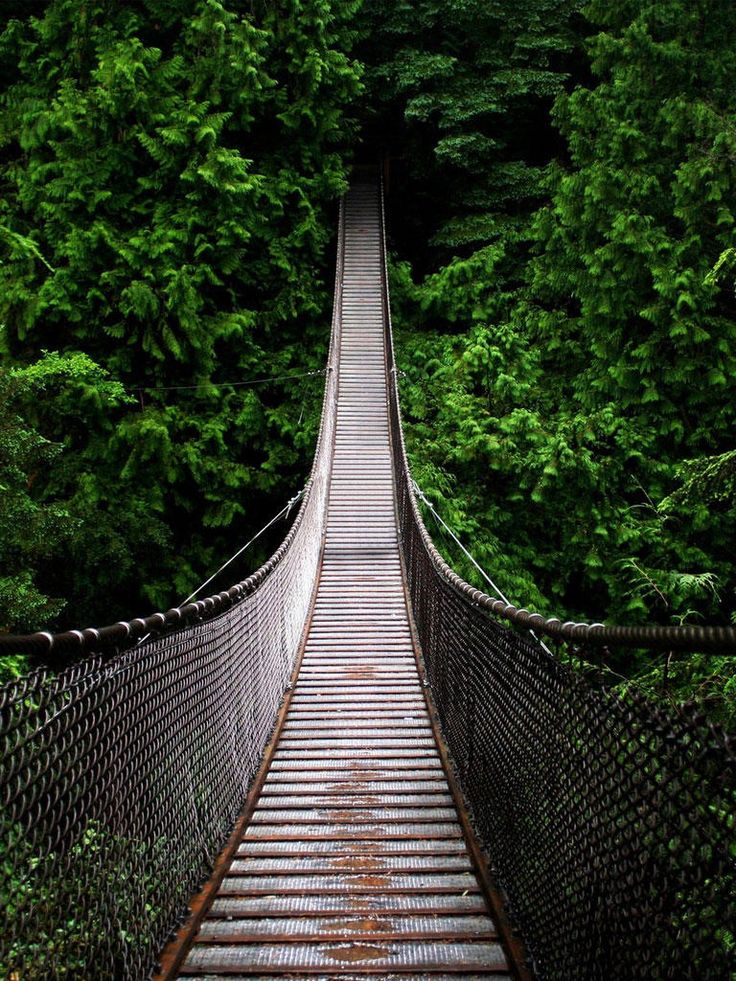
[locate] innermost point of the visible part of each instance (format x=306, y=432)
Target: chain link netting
x=609, y=823
x=121, y=776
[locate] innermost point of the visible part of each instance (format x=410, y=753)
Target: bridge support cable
x=420, y=495
x=283, y=513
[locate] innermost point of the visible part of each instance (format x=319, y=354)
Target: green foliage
x=38, y=525
x=168, y=175
x=460, y=92
x=28, y=529
x=71, y=935
x=467, y=89
x=562, y=187
x=707, y=680
x=620, y=292
x=581, y=401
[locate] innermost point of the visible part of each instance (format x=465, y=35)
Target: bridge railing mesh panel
x=610, y=825
x=122, y=775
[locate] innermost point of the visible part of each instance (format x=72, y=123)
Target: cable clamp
x=290, y=504
x=418, y=492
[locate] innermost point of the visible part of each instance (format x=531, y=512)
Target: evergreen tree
x=459, y=93
x=585, y=420
x=34, y=532
x=169, y=173
x=644, y=339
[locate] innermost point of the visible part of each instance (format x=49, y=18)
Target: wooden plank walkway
x=354, y=862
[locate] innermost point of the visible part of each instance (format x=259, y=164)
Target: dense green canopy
x=593, y=380
x=170, y=172
x=561, y=191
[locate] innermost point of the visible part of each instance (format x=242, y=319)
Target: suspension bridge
x=353, y=764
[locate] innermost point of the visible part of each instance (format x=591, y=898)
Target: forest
x=561, y=204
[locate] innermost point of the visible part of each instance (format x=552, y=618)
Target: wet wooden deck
x=354, y=862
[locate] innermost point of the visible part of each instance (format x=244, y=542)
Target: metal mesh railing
x=122, y=775
x=609, y=825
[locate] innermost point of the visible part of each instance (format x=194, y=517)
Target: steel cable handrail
x=654, y=637
x=607, y=820
x=122, y=773
x=117, y=636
